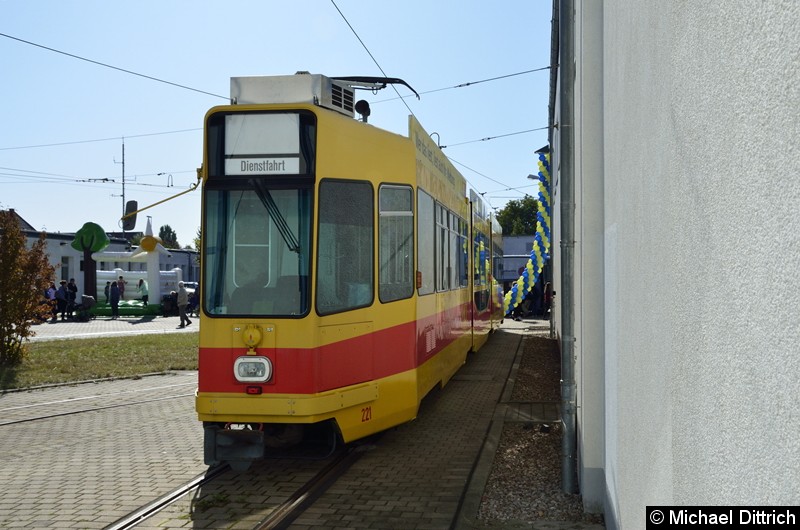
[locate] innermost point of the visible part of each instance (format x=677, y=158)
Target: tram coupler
x=236, y=447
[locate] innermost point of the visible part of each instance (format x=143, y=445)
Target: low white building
x=69, y=263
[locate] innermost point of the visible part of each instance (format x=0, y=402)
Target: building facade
x=674, y=140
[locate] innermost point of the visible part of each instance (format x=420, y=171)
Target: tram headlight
x=252, y=369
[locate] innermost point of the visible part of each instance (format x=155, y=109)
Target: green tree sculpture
x=25, y=276
x=89, y=239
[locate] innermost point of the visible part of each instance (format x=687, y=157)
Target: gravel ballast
x=524, y=485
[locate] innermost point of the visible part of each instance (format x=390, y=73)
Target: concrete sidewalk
x=105, y=327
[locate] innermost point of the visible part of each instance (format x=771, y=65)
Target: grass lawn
x=64, y=361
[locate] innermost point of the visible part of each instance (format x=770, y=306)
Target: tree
x=89, y=239
x=136, y=240
x=197, y=241
x=25, y=276
x=518, y=218
x=168, y=237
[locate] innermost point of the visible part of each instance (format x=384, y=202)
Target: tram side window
x=463, y=262
x=345, y=247
x=442, y=249
x=450, y=249
x=481, y=281
x=454, y=280
x=497, y=257
x=426, y=246
x=396, y=243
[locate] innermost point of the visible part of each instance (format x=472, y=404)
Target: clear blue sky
x=49, y=98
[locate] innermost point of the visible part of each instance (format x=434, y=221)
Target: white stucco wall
x=745, y=373
x=699, y=251
x=589, y=317
x=644, y=232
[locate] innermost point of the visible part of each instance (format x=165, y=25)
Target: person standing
x=50, y=293
x=62, y=298
x=72, y=291
x=121, y=287
x=183, y=300
x=143, y=291
x=106, y=291
x=113, y=292
x=194, y=303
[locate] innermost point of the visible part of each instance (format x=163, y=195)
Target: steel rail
x=136, y=517
x=286, y=512
x=70, y=413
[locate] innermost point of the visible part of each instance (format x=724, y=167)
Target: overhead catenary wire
x=36, y=177
x=370, y=54
x=486, y=139
x=506, y=188
x=457, y=86
x=516, y=188
x=114, y=138
x=83, y=184
x=469, y=83
x=476, y=172
x=131, y=72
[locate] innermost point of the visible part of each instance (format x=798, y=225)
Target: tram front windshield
x=257, y=213
x=256, y=251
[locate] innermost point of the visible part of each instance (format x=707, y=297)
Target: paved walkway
x=105, y=327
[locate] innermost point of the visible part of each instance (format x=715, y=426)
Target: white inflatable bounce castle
x=158, y=282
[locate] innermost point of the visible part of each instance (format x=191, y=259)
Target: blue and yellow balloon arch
x=540, y=253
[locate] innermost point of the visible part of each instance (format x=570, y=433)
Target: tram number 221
x=366, y=414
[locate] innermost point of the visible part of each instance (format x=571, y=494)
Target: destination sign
x=262, y=166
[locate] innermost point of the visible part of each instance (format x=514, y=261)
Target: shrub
x=26, y=273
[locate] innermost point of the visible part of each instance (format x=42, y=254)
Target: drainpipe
x=567, y=295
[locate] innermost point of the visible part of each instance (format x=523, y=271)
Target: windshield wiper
x=277, y=217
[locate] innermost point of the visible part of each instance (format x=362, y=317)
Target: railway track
x=134, y=518
x=278, y=516
x=19, y=411
x=107, y=447
x=287, y=511
x=289, y=484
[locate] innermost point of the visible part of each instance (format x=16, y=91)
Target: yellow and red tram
x=345, y=270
